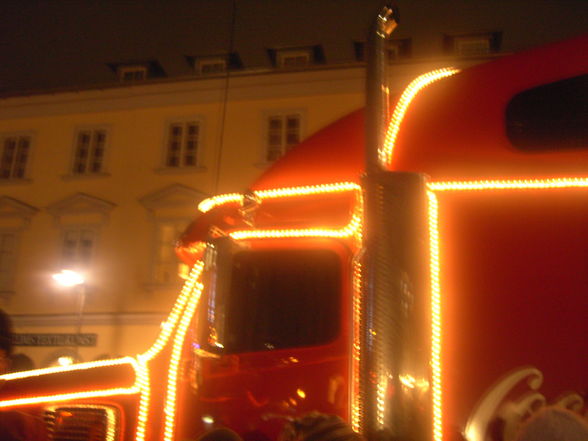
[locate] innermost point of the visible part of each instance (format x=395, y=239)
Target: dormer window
x=216, y=64
x=473, y=44
x=136, y=71
x=211, y=66
x=296, y=57
x=293, y=58
x=132, y=73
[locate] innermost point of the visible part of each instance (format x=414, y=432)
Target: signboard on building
x=54, y=339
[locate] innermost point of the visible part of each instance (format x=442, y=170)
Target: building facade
x=102, y=178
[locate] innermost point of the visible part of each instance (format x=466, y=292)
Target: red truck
x=431, y=285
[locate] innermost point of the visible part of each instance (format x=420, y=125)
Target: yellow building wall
x=119, y=280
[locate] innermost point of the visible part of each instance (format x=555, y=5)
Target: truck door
x=269, y=342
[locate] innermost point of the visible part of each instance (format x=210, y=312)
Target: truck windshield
x=276, y=299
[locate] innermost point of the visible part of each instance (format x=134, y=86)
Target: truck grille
x=82, y=423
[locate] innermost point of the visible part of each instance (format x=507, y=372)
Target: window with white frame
x=283, y=132
x=132, y=73
x=183, y=141
x=14, y=156
x=211, y=66
x=78, y=247
x=293, y=58
x=473, y=44
x=166, y=262
x=90, y=146
x=8, y=240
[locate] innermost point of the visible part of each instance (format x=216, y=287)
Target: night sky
x=54, y=44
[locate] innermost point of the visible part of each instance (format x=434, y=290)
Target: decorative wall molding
x=11, y=208
x=175, y=195
x=80, y=203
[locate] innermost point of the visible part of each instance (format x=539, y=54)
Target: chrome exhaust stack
x=394, y=401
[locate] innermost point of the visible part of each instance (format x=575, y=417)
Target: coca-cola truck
x=431, y=285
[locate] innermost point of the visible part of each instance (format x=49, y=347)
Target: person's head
x=554, y=424
x=21, y=362
x=5, y=342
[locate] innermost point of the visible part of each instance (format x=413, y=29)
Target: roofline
x=239, y=73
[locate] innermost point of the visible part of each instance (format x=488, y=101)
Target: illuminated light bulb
x=301, y=393
x=144, y=399
x=23, y=401
x=434, y=265
x=356, y=347
x=215, y=201
x=347, y=231
x=172, y=379
x=337, y=187
x=381, y=388
x=174, y=316
x=407, y=381
x=221, y=199
x=505, y=184
x=73, y=367
x=162, y=339
x=411, y=91
x=69, y=396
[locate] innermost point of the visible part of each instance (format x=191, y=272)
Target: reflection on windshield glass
x=277, y=299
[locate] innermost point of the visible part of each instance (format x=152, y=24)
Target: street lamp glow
x=65, y=360
x=69, y=278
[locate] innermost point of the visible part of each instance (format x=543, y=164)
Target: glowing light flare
x=174, y=316
x=210, y=203
x=381, y=389
x=144, y=400
x=434, y=268
x=411, y=382
x=69, y=396
x=73, y=367
x=356, y=411
x=355, y=385
x=407, y=381
x=65, y=360
x=72, y=395
x=411, y=91
x=515, y=184
x=221, y=199
x=352, y=229
x=337, y=187
x=167, y=328
x=195, y=249
x=69, y=278
x=170, y=399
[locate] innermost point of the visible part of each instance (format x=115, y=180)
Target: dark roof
x=60, y=44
